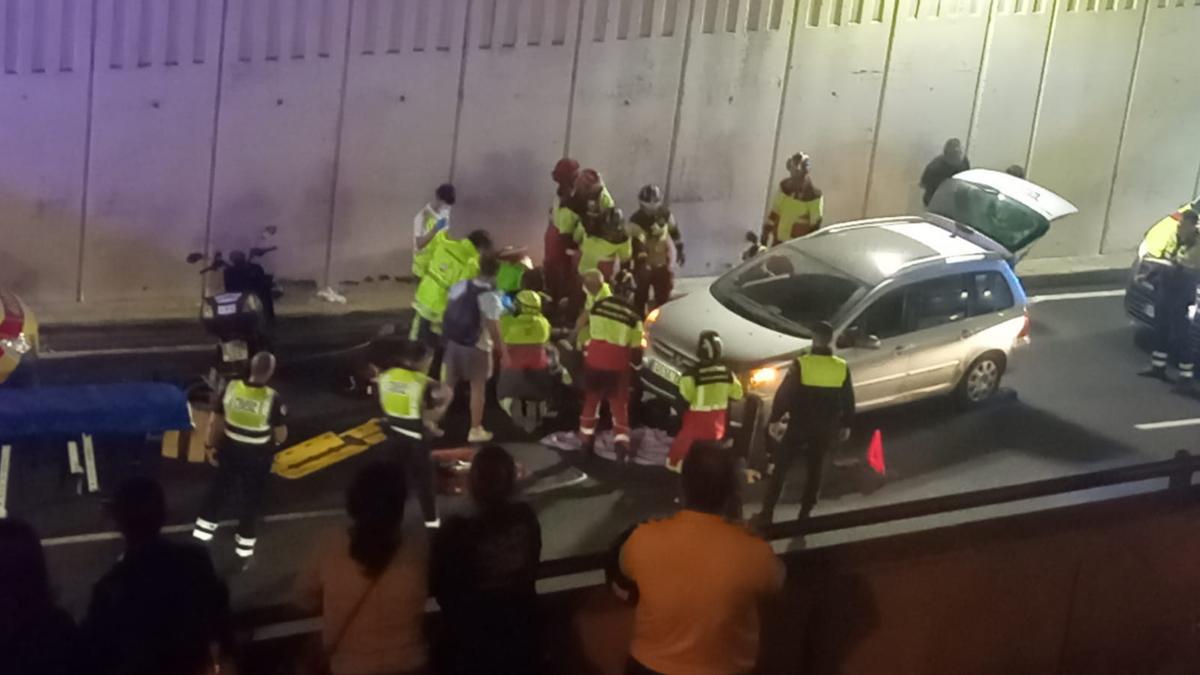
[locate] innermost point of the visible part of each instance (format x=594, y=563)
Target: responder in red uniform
x=560, y=232
x=614, y=332
x=707, y=389
x=799, y=206
x=657, y=248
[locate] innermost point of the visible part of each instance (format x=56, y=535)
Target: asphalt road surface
x=1075, y=406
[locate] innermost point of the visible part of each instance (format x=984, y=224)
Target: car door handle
x=900, y=349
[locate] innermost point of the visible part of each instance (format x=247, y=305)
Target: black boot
x=1156, y=372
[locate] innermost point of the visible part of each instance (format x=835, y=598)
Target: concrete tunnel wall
x=135, y=131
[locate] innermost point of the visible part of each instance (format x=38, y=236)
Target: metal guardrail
x=1179, y=471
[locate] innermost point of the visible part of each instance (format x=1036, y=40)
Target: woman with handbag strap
x=370, y=583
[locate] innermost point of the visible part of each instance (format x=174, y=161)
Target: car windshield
x=1006, y=221
x=786, y=291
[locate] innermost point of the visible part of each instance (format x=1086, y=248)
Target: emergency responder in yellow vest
x=412, y=403
x=253, y=416
x=527, y=380
x=707, y=390
x=431, y=222
x=452, y=261
x=614, y=333
x=815, y=401
x=798, y=207
x=1175, y=291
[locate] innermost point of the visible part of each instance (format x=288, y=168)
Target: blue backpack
x=462, y=322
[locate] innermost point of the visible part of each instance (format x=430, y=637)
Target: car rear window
x=1006, y=221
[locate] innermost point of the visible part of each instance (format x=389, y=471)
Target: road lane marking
x=1081, y=295
x=1169, y=424
x=124, y=351
x=94, y=537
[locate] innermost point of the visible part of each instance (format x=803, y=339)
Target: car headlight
x=646, y=324
x=19, y=344
x=767, y=376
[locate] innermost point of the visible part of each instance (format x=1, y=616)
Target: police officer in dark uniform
x=817, y=397
x=1175, y=290
x=254, y=417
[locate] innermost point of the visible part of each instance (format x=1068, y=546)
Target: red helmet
x=588, y=182
x=565, y=171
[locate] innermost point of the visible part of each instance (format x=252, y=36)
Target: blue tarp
x=131, y=408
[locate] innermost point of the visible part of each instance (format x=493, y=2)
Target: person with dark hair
x=472, y=331
x=369, y=581
x=484, y=567
x=698, y=578
x=951, y=161
x=1016, y=170
x=162, y=608
x=814, y=405
x=253, y=416
x=412, y=404
x=450, y=261
x=430, y=223
x=36, y=636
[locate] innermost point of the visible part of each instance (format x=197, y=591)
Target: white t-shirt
x=491, y=307
x=425, y=212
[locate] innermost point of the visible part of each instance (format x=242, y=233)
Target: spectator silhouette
x=36, y=636
x=369, y=582
x=951, y=161
x=697, y=578
x=161, y=608
x=484, y=569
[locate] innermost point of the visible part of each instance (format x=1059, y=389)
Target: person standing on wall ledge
x=817, y=399
x=560, y=232
x=951, y=161
x=253, y=416
x=799, y=206
x=657, y=247
x=431, y=223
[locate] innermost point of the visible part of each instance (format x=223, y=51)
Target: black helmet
x=650, y=196
x=710, y=346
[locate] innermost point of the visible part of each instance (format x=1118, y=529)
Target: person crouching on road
x=528, y=378
x=252, y=415
x=412, y=403
x=707, y=390
x=799, y=206
x=817, y=398
x=614, y=333
x=472, y=331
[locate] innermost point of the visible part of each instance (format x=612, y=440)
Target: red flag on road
x=875, y=453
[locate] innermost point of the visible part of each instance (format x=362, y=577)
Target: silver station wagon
x=921, y=306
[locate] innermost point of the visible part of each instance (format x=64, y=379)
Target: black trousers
x=814, y=450
x=415, y=457
x=1171, y=328
x=245, y=468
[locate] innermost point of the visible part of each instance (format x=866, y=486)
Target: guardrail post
x=1181, y=476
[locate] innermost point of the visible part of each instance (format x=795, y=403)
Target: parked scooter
x=237, y=308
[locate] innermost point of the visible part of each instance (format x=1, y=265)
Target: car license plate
x=226, y=310
x=234, y=350
x=664, y=371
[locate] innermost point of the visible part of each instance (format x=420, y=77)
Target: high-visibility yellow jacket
x=710, y=387
x=453, y=260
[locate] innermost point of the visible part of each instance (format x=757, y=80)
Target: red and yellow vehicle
x=18, y=337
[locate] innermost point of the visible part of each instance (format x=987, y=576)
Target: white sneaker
x=479, y=435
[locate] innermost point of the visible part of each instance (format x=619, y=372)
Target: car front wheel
x=981, y=381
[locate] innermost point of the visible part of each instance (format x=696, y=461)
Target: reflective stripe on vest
x=614, y=322
x=824, y=371
x=402, y=393
x=248, y=412
x=709, y=388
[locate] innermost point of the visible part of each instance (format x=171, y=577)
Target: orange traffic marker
x=875, y=453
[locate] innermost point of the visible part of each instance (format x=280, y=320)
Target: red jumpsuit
x=615, y=329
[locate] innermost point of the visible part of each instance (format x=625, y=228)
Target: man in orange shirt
x=699, y=578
